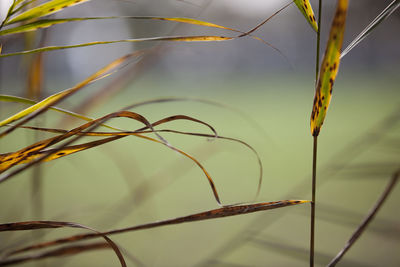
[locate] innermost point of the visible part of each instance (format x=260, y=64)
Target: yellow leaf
x=306, y=9
x=329, y=68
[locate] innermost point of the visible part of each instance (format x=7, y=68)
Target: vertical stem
x=314, y=183
x=314, y=164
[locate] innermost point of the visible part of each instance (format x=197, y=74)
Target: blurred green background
x=268, y=104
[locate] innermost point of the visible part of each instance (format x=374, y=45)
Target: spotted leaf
x=329, y=68
x=306, y=9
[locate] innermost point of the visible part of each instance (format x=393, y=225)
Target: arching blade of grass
x=306, y=9
x=34, y=151
x=380, y=18
x=115, y=136
x=59, y=252
x=12, y=159
x=44, y=9
x=363, y=226
x=329, y=68
x=43, y=105
x=225, y=211
x=204, y=38
x=35, y=225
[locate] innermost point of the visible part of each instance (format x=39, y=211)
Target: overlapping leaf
x=225, y=211
x=34, y=225
x=307, y=11
x=329, y=68
x=45, y=104
x=44, y=9
x=45, y=23
x=206, y=38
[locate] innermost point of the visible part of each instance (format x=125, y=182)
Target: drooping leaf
x=43, y=105
x=225, y=211
x=329, y=68
x=380, y=18
x=306, y=9
x=44, y=9
x=58, y=252
x=31, y=152
x=34, y=225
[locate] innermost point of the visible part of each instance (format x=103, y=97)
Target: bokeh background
x=265, y=99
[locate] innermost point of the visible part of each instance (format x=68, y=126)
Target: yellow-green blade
x=55, y=98
x=307, y=11
x=50, y=22
x=329, y=68
x=44, y=9
x=207, y=38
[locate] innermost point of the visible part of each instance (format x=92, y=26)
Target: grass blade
x=35, y=225
x=307, y=11
x=64, y=251
x=43, y=105
x=225, y=211
x=204, y=38
x=362, y=227
x=329, y=68
x=380, y=18
x=44, y=9
x=45, y=23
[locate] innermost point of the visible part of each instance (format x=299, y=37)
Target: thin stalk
x=314, y=183
x=314, y=164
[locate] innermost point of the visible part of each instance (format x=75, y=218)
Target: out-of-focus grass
x=83, y=187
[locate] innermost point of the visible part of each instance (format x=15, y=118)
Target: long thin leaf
x=45, y=23
x=43, y=105
x=225, y=211
x=59, y=252
x=17, y=99
x=306, y=9
x=364, y=224
x=34, y=225
x=44, y=9
x=205, y=38
x=380, y=18
x=12, y=159
x=329, y=68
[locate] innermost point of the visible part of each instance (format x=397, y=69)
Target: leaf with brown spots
x=306, y=9
x=225, y=211
x=44, y=9
x=329, y=68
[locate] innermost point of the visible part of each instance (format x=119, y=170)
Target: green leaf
x=329, y=68
x=307, y=11
x=44, y=9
